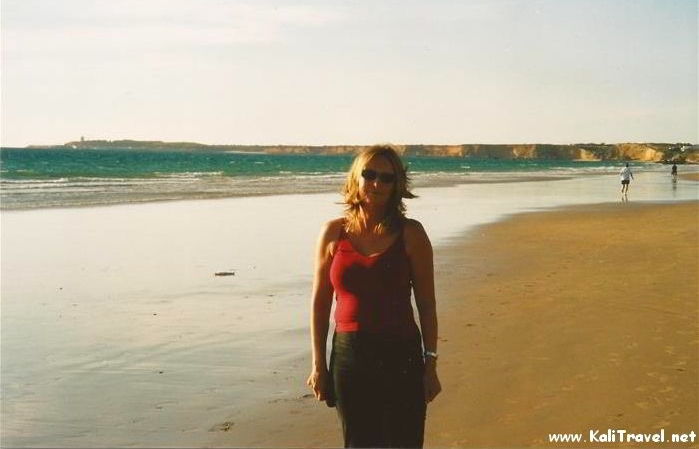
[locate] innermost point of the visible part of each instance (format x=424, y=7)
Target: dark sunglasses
x=386, y=178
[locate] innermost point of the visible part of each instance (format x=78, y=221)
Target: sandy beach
x=115, y=332
x=570, y=321
x=588, y=322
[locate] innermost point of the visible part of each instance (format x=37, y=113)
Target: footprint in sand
x=614, y=360
x=661, y=424
x=508, y=418
x=540, y=405
x=684, y=332
x=662, y=378
x=642, y=405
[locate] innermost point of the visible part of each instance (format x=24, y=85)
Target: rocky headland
x=646, y=152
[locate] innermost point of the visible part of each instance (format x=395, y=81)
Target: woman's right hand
x=318, y=381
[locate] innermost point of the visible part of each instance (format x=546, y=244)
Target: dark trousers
x=379, y=392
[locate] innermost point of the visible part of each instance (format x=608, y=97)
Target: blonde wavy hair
x=395, y=208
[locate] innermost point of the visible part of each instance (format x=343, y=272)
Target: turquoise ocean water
x=34, y=178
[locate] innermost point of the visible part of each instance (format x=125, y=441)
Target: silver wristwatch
x=431, y=354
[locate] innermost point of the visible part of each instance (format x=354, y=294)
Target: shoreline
x=431, y=183
x=526, y=352
x=428, y=184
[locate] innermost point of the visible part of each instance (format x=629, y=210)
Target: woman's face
x=373, y=185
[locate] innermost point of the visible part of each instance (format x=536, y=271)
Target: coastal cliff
x=645, y=152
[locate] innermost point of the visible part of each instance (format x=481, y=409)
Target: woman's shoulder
x=334, y=224
x=412, y=228
x=329, y=235
x=415, y=235
x=331, y=230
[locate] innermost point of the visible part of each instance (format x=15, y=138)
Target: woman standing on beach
x=379, y=378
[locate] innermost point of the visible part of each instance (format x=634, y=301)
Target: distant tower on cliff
x=82, y=138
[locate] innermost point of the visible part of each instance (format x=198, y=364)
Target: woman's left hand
x=431, y=382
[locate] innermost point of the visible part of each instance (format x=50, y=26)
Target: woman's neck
x=370, y=216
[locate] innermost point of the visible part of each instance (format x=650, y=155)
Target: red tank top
x=372, y=292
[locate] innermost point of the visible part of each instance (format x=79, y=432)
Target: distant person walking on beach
x=674, y=172
x=626, y=177
x=383, y=368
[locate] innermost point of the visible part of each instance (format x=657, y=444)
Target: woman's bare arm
x=322, y=297
x=419, y=251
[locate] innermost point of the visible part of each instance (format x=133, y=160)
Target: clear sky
x=349, y=72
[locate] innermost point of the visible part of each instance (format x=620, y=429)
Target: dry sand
x=569, y=321
x=690, y=176
x=565, y=321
